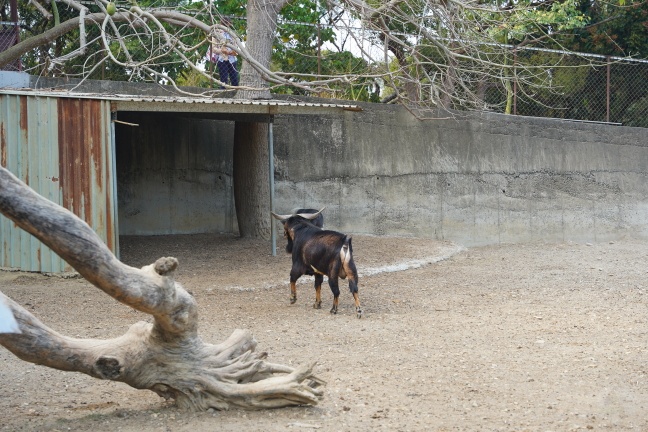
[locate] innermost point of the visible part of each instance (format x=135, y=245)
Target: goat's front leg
x=293, y=286
x=318, y=291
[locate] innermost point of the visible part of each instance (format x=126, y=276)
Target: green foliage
x=527, y=21
x=555, y=73
x=623, y=29
x=338, y=63
x=344, y=63
x=192, y=78
x=298, y=35
x=581, y=92
x=637, y=114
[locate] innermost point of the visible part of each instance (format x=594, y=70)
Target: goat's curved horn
x=281, y=217
x=310, y=216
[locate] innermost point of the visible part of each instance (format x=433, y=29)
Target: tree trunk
x=251, y=174
x=412, y=85
x=166, y=356
x=250, y=168
x=262, y=24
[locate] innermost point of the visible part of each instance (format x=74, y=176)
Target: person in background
x=224, y=57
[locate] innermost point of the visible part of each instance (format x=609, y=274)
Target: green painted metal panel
x=62, y=148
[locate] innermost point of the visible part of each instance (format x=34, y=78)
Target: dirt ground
x=534, y=337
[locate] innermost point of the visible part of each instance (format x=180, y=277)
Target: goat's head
x=298, y=216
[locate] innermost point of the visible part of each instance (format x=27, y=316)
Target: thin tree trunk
x=250, y=168
x=262, y=24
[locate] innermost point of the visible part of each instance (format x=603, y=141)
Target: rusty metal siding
x=61, y=147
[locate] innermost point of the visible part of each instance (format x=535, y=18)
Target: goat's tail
x=348, y=265
x=346, y=251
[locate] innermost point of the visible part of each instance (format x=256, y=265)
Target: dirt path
x=511, y=338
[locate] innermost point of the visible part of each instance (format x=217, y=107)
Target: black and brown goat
x=317, y=252
x=318, y=221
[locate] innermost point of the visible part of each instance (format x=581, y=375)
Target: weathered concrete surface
x=481, y=180
x=174, y=175
x=488, y=179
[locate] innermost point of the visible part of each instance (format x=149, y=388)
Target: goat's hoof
x=334, y=310
x=293, y=299
x=317, y=305
x=359, y=313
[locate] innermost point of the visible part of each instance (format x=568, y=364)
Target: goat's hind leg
x=318, y=291
x=353, y=287
x=335, y=289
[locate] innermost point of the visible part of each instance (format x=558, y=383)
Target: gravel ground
x=534, y=337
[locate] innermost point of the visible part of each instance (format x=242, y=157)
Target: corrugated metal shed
x=61, y=147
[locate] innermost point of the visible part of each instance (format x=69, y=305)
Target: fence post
x=319, y=51
x=514, y=80
x=607, y=91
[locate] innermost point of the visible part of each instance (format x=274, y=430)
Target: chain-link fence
x=346, y=61
x=9, y=33
x=589, y=88
x=542, y=82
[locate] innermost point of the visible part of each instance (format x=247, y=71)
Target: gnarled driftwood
x=165, y=356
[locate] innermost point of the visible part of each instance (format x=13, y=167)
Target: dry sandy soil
x=535, y=337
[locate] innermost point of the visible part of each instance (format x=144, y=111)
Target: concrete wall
x=489, y=179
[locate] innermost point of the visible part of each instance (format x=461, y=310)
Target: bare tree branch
x=427, y=52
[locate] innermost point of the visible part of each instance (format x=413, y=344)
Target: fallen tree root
x=165, y=356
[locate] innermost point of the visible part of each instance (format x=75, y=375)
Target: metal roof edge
x=181, y=103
